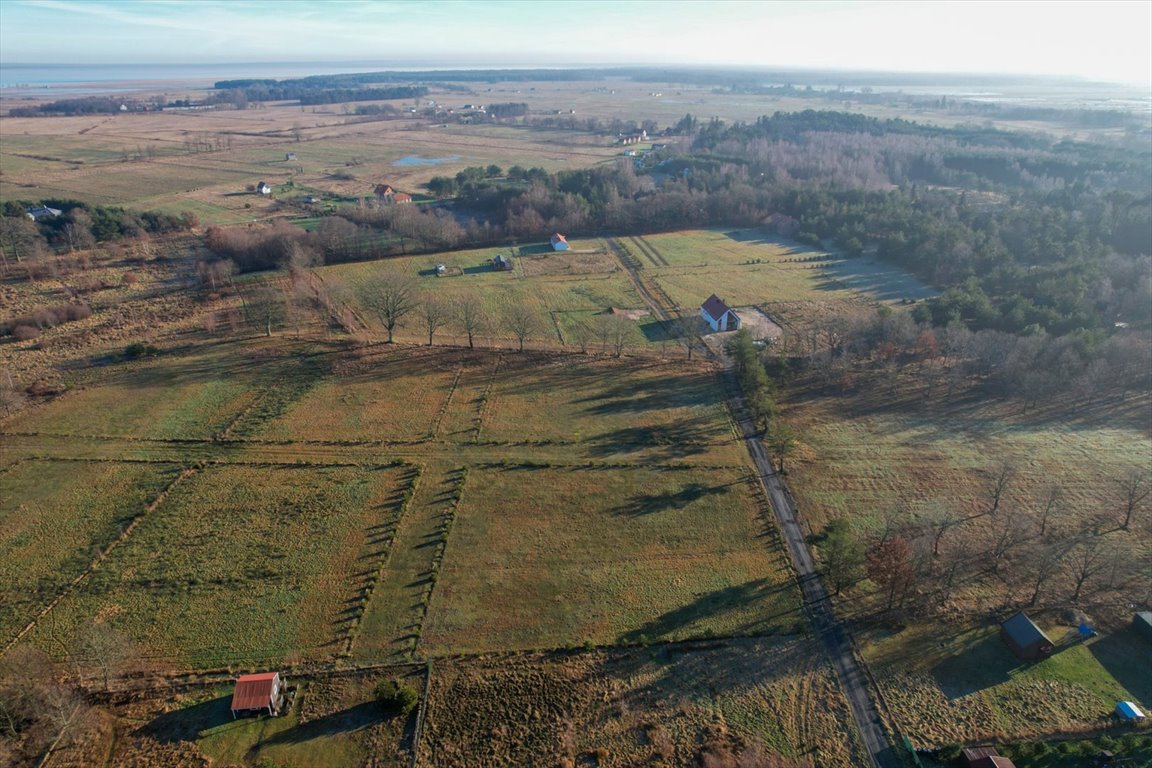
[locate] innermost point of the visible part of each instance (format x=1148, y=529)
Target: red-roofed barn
x=263, y=691
x=559, y=242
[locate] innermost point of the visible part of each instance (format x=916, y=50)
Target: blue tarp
x=1128, y=711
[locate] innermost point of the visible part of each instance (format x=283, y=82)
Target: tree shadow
x=354, y=718
x=1126, y=657
x=983, y=664
x=679, y=439
x=651, y=503
x=712, y=605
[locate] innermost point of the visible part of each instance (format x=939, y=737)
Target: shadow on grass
x=186, y=724
x=1127, y=658
x=353, y=718
x=687, y=437
x=714, y=605
x=651, y=503
x=984, y=664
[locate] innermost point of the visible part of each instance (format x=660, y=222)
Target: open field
x=747, y=267
x=244, y=564
x=537, y=555
x=55, y=516
x=665, y=706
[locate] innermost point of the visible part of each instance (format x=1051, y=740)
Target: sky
x=1109, y=41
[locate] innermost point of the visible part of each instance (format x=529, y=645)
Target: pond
x=417, y=160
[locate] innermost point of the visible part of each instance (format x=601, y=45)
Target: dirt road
x=853, y=678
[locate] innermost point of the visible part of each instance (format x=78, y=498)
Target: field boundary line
x=421, y=713
x=104, y=553
x=353, y=631
x=449, y=518
x=447, y=402
x=486, y=398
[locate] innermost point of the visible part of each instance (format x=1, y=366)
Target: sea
x=64, y=80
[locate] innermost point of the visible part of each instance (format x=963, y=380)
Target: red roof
x=558, y=238
x=383, y=189
x=715, y=307
x=254, y=691
x=402, y=197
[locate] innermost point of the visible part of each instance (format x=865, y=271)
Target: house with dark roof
x=719, y=315
x=1142, y=623
x=259, y=693
x=263, y=188
x=559, y=242
x=502, y=263
x=384, y=191
x=1026, y=639
x=42, y=212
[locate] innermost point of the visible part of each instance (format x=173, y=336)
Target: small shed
x=502, y=263
x=1026, y=639
x=441, y=269
x=289, y=156
x=559, y=242
x=258, y=693
x=263, y=188
x=984, y=756
x=719, y=315
x=401, y=197
x=1142, y=623
x=1128, y=711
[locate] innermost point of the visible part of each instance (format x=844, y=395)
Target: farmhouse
x=42, y=212
x=289, y=156
x=559, y=242
x=1025, y=639
x=718, y=315
x=263, y=188
x=259, y=692
x=441, y=269
x=502, y=263
x=384, y=191
x=401, y=197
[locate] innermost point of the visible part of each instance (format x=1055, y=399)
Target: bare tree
x=691, y=330
x=434, y=313
x=1041, y=564
x=470, y=317
x=581, y=334
x=1134, y=489
x=1050, y=505
x=522, y=321
x=1087, y=558
x=939, y=522
x=391, y=296
x=998, y=488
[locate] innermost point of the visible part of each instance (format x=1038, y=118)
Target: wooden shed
x=1026, y=639
x=258, y=693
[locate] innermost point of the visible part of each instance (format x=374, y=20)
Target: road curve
x=853, y=679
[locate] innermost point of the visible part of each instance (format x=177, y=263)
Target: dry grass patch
x=550, y=557
x=245, y=563
x=55, y=517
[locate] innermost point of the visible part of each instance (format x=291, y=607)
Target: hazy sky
x=1097, y=40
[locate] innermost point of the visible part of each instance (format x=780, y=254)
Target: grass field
x=747, y=267
x=662, y=707
x=542, y=557
x=244, y=564
x=55, y=516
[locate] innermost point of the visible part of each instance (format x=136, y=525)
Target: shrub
x=396, y=698
x=140, y=349
x=25, y=332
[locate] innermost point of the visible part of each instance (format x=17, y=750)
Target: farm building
x=384, y=191
x=1142, y=623
x=263, y=188
x=289, y=156
x=559, y=242
x=502, y=263
x=259, y=692
x=718, y=315
x=1128, y=711
x=1025, y=639
x=42, y=212
x=984, y=757
x=441, y=269
x=401, y=197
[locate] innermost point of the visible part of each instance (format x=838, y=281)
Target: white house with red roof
x=718, y=315
x=257, y=693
